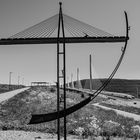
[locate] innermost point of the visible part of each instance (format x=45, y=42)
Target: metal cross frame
x=63, y=74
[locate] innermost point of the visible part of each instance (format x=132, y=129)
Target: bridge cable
x=36, y=28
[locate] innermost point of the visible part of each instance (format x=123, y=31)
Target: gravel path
x=131, y=103
x=22, y=135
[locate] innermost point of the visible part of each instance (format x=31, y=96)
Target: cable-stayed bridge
x=76, y=32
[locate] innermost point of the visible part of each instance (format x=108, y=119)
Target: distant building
x=40, y=84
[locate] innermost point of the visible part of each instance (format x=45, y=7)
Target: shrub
x=52, y=90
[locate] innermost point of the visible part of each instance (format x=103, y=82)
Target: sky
x=38, y=62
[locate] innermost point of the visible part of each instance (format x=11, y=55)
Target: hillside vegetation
x=93, y=121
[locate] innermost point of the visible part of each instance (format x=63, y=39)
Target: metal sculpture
x=81, y=33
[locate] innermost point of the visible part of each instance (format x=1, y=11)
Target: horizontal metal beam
x=17, y=41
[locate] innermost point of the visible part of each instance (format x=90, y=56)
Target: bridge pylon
x=72, y=84
x=78, y=82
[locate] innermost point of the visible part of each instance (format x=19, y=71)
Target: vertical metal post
x=58, y=84
x=60, y=23
x=64, y=79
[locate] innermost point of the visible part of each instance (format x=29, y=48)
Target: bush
x=52, y=90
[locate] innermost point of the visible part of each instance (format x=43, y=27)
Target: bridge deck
x=17, y=41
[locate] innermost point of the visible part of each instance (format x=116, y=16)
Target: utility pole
x=10, y=76
x=18, y=80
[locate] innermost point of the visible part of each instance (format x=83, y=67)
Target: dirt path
x=126, y=114
x=10, y=94
x=22, y=135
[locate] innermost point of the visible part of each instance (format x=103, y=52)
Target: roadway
x=54, y=40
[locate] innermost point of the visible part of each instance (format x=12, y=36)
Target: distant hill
x=131, y=87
